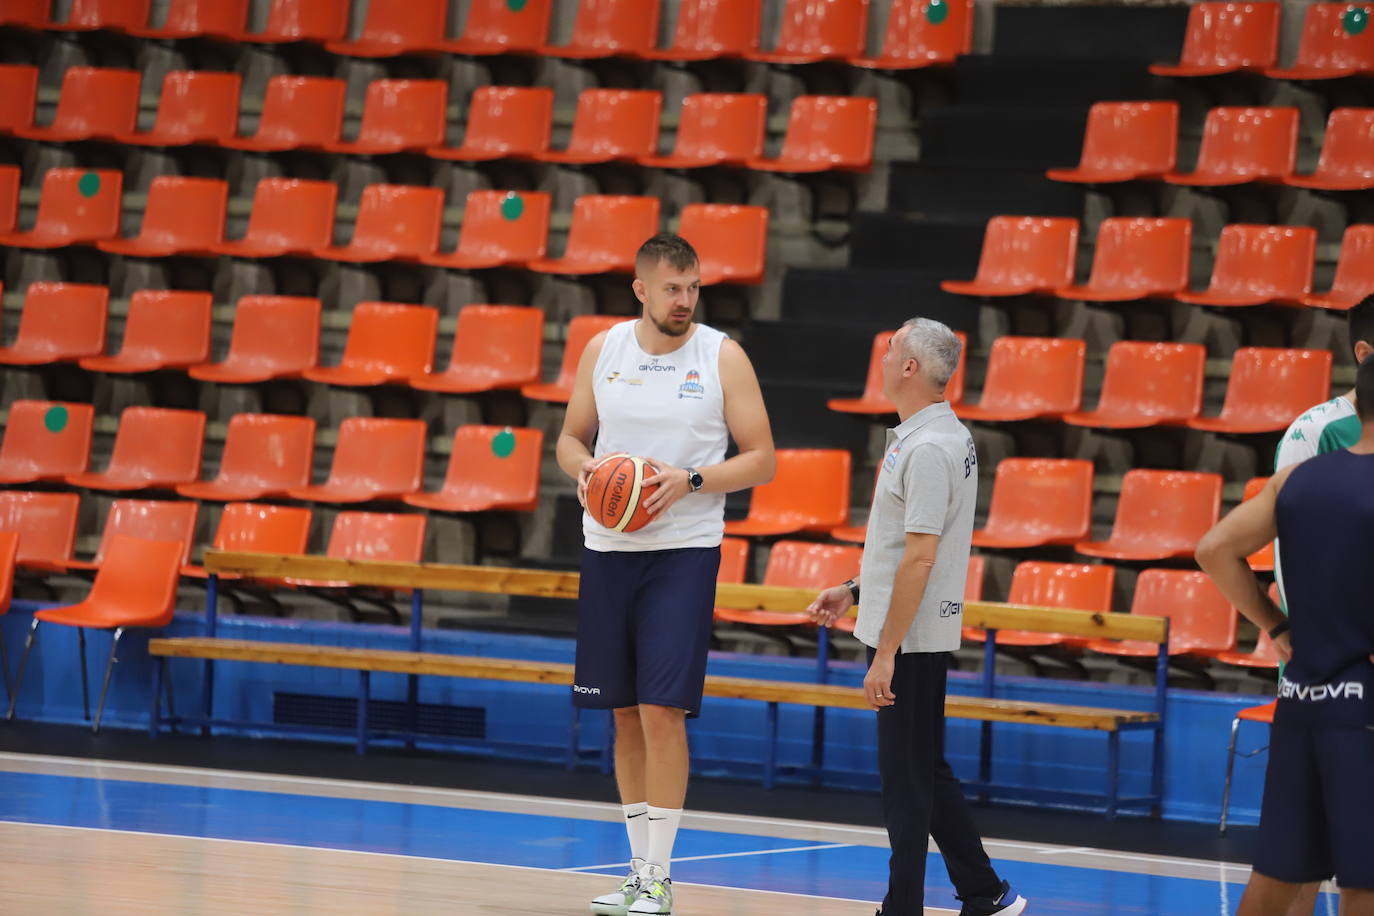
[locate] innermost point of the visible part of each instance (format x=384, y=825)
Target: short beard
x=669, y=329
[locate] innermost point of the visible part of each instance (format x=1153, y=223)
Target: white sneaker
x=655, y=893
x=617, y=903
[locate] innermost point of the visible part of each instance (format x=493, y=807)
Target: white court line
x=723, y=855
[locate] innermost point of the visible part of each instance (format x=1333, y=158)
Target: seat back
x=1273, y=385
x=719, y=28
x=169, y=327
x=137, y=583
x=973, y=579
x=923, y=32
x=97, y=102
x=291, y=215
x=1334, y=38
x=374, y=452
x=305, y=20
x=607, y=229
x=220, y=18
x=502, y=342
x=1157, y=382
x=1028, y=251
x=198, y=106
x=512, y=226
x=9, y=195
x=1355, y=265
x=497, y=465
x=398, y=537
x=79, y=205
x=802, y=564
x=150, y=519
x=398, y=221
x=1165, y=511
x=731, y=240
x=620, y=123
x=114, y=15
x=397, y=340
x=810, y=488
x=1248, y=143
x=262, y=528
x=726, y=127
x=29, y=13
x=1131, y=138
x=1231, y=35
x=1043, y=499
x=734, y=560
x=581, y=330
x=43, y=440
x=823, y=28
x=409, y=26
x=500, y=23
x=1271, y=261
x=63, y=320
x=404, y=114
x=157, y=446
x=18, y=96
x=279, y=335
x=1200, y=617
x=9, y=558
x=1139, y=254
x=1064, y=585
x=1346, y=146
x=1040, y=374
x=184, y=214
x=300, y=111
x=616, y=26
x=834, y=131
x=46, y=523
x=506, y=121
x=268, y=451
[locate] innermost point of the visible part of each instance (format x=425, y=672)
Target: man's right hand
x=830, y=605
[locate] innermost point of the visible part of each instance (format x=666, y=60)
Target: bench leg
x=5, y=666
x=364, y=689
x=1226, y=786
x=167, y=685
x=1113, y=772
x=105, y=684
x=207, y=696
x=770, y=765
x=23, y=663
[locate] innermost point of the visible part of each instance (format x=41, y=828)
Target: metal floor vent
x=382, y=715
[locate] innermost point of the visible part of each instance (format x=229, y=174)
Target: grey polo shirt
x=928, y=484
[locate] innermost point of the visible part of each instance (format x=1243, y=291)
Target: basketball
x=616, y=492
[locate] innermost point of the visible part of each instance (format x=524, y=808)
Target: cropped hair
x=934, y=346
x=674, y=249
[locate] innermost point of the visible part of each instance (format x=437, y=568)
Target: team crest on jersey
x=692, y=387
x=624, y=380
x=890, y=461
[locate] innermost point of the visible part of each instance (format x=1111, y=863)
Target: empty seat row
x=267, y=456
x=1134, y=141
x=186, y=216
x=919, y=33
x=406, y=115
x=1143, y=258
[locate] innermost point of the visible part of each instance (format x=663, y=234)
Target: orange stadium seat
x=610, y=28
x=45, y=440
x=298, y=112
x=31, y=14
x=1261, y=560
x=199, y=18
x=1241, y=145
x=289, y=217
x=264, y=456
x=111, y=15
x=1160, y=515
x=181, y=216
x=825, y=132
x=1146, y=384
x=489, y=468
x=386, y=342
x=811, y=32
x=150, y=519
x=581, y=329
x=1354, y=271
x=1328, y=49
x=397, y=28
x=495, y=346
x=76, y=206
x=394, y=223
x=154, y=447
x=809, y=492
x=1029, y=378
x=710, y=29
x=1126, y=141
x=374, y=458
x=18, y=96
x=874, y=402
x=1346, y=163
x=1038, y=501
x=196, y=107
x=318, y=21
x=273, y=337
x=9, y=197
x=1263, y=655
x=47, y=522
x=166, y=329
x=1259, y=265
x=1226, y=37
x=96, y=104
x=606, y=231
x=258, y=528
x=1267, y=388
x=1136, y=258
x=61, y=322
x=610, y=124
x=502, y=27
x=715, y=128
x=731, y=241
x=1022, y=254
x=392, y=536
x=399, y=115
x=1201, y=620
x=500, y=229
x=799, y=564
x=1064, y=585
x=923, y=33
x=857, y=534
x=734, y=561
x=504, y=122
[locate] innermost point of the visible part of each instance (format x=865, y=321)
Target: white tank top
x=669, y=407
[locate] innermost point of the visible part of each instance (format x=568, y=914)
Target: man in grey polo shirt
x=912, y=581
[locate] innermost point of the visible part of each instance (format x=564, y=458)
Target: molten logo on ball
x=616, y=492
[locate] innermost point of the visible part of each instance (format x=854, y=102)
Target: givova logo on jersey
x=692, y=387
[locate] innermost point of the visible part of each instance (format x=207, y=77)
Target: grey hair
x=934, y=346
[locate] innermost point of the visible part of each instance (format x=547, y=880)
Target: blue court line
x=547, y=841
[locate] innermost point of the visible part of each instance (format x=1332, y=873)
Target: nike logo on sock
x=655, y=818
x=640, y=814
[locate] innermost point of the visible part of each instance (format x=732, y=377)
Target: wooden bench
x=986, y=708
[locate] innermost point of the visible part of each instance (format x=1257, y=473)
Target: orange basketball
x=616, y=492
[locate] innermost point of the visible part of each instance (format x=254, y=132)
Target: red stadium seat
x=318, y=21
x=1066, y=585
x=18, y=96
x=504, y=122
x=1226, y=37
x=606, y=232
x=923, y=33
x=1029, y=378
x=399, y=115
x=1240, y=145
x=95, y=104
x=289, y=217
x=1347, y=163
x=1329, y=49
x=1263, y=655
x=47, y=522
x=1160, y=515
x=809, y=492
x=61, y=322
x=824, y=133
x=731, y=241
x=397, y=537
x=1126, y=141
x=394, y=223
x=1259, y=265
x=1268, y=387
x=181, y=216
x=45, y=440
x=1146, y=384
x=500, y=229
x=1261, y=560
x=386, y=343
x=1354, y=272
x=264, y=457
x=152, y=519
x=77, y=206
x=502, y=27
x=9, y=197
x=397, y=28
x=259, y=529
x=166, y=329
x=716, y=128
x=1038, y=501
x=581, y=329
x=874, y=402
x=495, y=346
x=798, y=564
x=610, y=125
x=154, y=448
x=1201, y=621
x=196, y=107
x=31, y=14
x=490, y=468
x=710, y=29
x=298, y=112
x=813, y=31
x=199, y=18
x=1136, y=258
x=1022, y=254
x=110, y=15
x=610, y=28
x=374, y=458
x=274, y=337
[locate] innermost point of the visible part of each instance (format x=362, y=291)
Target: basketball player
x=1318, y=795
x=915, y=564
x=674, y=392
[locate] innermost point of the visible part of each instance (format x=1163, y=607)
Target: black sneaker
x=1006, y=903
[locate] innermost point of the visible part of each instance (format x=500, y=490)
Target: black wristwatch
x=853, y=589
x=1279, y=629
x=694, y=479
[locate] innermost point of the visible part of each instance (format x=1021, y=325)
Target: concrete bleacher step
x=1003, y=136
x=872, y=299
x=949, y=245
x=983, y=80
x=926, y=190
x=1136, y=32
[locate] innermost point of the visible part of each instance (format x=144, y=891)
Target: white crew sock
x=662, y=832
x=637, y=826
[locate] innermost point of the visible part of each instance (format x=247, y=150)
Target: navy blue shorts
x=1318, y=806
x=644, y=627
